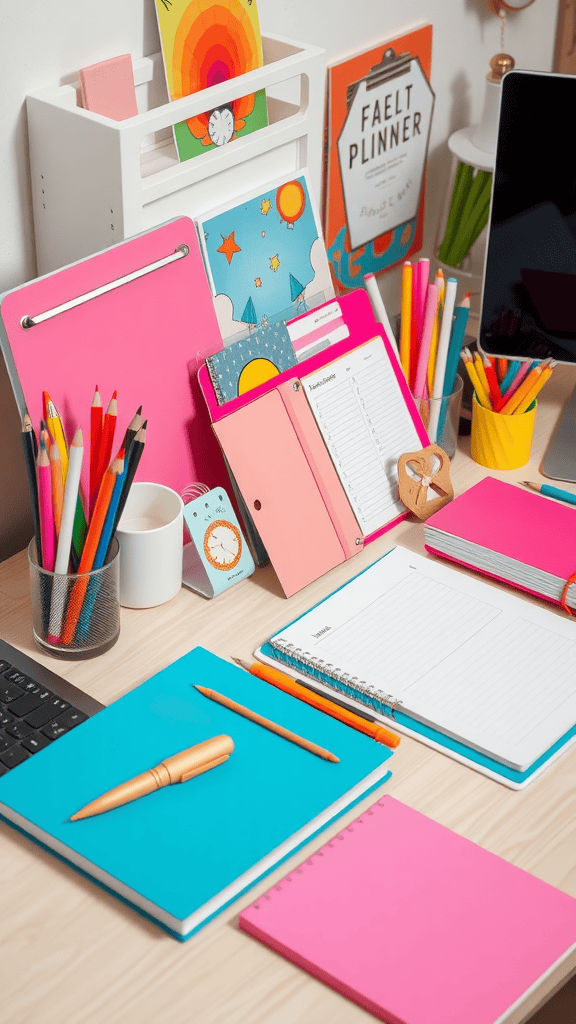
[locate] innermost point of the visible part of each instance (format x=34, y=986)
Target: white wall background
x=44, y=43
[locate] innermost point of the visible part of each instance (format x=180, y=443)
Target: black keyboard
x=36, y=707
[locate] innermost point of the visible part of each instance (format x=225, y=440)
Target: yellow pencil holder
x=501, y=442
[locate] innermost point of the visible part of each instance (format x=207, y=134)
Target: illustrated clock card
x=265, y=258
x=217, y=556
x=205, y=42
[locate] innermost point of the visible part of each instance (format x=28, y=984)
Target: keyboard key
x=14, y=756
x=71, y=718
x=6, y=741
x=9, y=692
x=19, y=730
x=3, y=770
x=35, y=742
x=29, y=701
x=4, y=665
x=17, y=677
x=5, y=718
x=46, y=711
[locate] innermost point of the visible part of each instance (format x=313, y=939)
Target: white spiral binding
x=328, y=670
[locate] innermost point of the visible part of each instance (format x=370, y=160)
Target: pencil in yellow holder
x=501, y=442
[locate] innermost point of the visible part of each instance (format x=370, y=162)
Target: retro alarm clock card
x=379, y=113
x=204, y=43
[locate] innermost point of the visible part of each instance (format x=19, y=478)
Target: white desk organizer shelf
x=96, y=181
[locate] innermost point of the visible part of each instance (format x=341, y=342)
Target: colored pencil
x=30, y=446
x=132, y=429
x=525, y=388
x=477, y=384
x=69, y=504
x=96, y=414
x=501, y=369
x=47, y=532
x=552, y=492
x=54, y=424
x=480, y=370
x=420, y=385
x=107, y=440
x=89, y=551
x=406, y=318
x=492, y=380
x=226, y=702
x=133, y=457
x=534, y=391
x=57, y=485
x=519, y=376
x=363, y=723
x=59, y=592
x=108, y=528
x=510, y=375
x=439, y=282
x=380, y=309
x=441, y=357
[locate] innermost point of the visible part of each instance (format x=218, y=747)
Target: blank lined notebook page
x=480, y=664
x=453, y=937
x=362, y=416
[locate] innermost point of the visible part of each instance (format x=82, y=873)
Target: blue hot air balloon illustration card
x=265, y=258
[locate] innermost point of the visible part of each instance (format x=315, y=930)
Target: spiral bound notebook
x=451, y=658
x=458, y=935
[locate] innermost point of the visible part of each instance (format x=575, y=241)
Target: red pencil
x=95, y=441
x=107, y=439
x=495, y=393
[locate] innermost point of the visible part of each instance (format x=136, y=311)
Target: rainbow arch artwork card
x=204, y=43
x=265, y=258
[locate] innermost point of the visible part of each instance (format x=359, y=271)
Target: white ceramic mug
x=151, y=545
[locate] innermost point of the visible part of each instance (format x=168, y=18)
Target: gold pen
x=178, y=768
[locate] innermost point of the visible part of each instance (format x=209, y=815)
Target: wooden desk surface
x=72, y=954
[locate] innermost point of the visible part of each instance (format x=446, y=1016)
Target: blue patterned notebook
x=244, y=364
x=183, y=853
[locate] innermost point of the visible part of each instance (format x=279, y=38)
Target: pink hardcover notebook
x=415, y=923
x=514, y=522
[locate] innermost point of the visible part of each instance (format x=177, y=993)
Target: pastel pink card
x=108, y=88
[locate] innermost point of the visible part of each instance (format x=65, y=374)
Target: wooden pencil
x=47, y=532
x=95, y=441
x=57, y=485
x=107, y=440
x=226, y=702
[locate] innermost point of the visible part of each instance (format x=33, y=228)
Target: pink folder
x=415, y=923
x=514, y=522
x=282, y=466
x=140, y=339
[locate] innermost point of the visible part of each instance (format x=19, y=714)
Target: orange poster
x=379, y=114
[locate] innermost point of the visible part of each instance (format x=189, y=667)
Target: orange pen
x=291, y=686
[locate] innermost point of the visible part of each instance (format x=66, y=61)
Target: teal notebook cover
x=183, y=853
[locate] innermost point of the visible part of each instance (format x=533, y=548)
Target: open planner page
x=480, y=664
x=366, y=426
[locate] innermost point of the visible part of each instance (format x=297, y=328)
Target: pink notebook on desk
x=415, y=923
x=511, y=534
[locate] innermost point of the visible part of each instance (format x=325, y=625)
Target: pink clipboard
x=281, y=464
x=139, y=338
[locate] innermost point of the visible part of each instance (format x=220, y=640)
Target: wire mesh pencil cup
x=75, y=615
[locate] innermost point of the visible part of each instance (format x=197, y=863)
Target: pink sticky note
x=108, y=88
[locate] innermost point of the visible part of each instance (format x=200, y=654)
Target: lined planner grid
x=362, y=416
x=481, y=665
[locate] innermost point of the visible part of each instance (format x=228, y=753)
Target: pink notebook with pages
x=511, y=521
x=414, y=923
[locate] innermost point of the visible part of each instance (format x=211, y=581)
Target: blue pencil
x=454, y=349
x=83, y=627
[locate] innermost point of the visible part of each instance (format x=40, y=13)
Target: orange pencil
x=524, y=389
x=89, y=549
x=57, y=485
x=527, y=401
x=316, y=700
x=95, y=441
x=501, y=369
x=406, y=318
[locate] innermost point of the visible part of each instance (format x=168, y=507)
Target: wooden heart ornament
x=424, y=480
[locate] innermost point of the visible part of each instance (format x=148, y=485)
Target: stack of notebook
x=511, y=534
